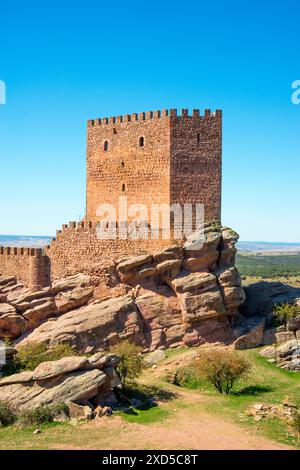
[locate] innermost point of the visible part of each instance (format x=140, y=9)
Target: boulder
x=67, y=301
x=50, y=369
x=100, y=360
x=26, y=376
x=199, y=307
x=7, y=280
x=284, y=336
x=288, y=349
x=71, y=282
x=193, y=282
x=293, y=324
x=234, y=297
x=134, y=262
x=229, y=277
x=199, y=244
x=94, y=327
x=169, y=269
x=269, y=336
x=205, y=261
x=227, y=256
x=268, y=352
x=171, y=253
x=253, y=338
x=77, y=386
x=25, y=297
x=38, y=314
x=155, y=357
x=6, y=309
x=80, y=411
x=159, y=310
x=12, y=326
x=262, y=296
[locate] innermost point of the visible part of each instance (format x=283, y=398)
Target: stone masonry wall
x=127, y=169
x=77, y=249
x=29, y=265
x=196, y=161
x=179, y=161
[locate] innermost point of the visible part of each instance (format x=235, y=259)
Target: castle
x=159, y=157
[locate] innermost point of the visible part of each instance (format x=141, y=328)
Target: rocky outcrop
x=71, y=379
x=261, y=297
x=286, y=355
x=23, y=310
x=183, y=295
x=253, y=336
x=94, y=327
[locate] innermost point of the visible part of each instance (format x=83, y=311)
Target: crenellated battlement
x=150, y=115
x=21, y=251
x=31, y=266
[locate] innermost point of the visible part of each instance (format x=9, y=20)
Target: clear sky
x=64, y=62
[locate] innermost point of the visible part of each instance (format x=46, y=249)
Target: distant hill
x=275, y=247
x=242, y=246
x=24, y=240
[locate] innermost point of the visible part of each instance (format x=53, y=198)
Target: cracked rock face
x=71, y=379
x=181, y=295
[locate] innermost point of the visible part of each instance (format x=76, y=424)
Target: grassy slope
x=267, y=384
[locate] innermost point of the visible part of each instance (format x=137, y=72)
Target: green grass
x=171, y=352
x=265, y=384
x=268, y=266
x=145, y=414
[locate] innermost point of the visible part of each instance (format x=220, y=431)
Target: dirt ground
x=187, y=427
x=184, y=430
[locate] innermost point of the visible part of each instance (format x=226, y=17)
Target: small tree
x=285, y=312
x=222, y=368
x=7, y=414
x=131, y=362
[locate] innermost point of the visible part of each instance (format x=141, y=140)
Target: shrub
x=31, y=355
x=296, y=423
x=222, y=368
x=131, y=362
x=189, y=377
x=42, y=414
x=7, y=414
x=285, y=312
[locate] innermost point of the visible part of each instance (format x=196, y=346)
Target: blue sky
x=65, y=62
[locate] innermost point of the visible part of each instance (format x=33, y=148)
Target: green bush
x=131, y=362
x=189, y=377
x=219, y=367
x=7, y=414
x=42, y=414
x=222, y=368
x=31, y=355
x=285, y=312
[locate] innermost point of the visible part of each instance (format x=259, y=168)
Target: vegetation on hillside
x=31, y=355
x=221, y=368
x=268, y=266
x=131, y=362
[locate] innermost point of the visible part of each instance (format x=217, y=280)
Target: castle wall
x=180, y=162
x=77, y=249
x=30, y=266
x=196, y=160
x=144, y=171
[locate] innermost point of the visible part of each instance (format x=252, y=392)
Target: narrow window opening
x=141, y=142
x=198, y=138
x=105, y=146
x=123, y=187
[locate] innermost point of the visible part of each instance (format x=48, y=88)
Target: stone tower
x=155, y=157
